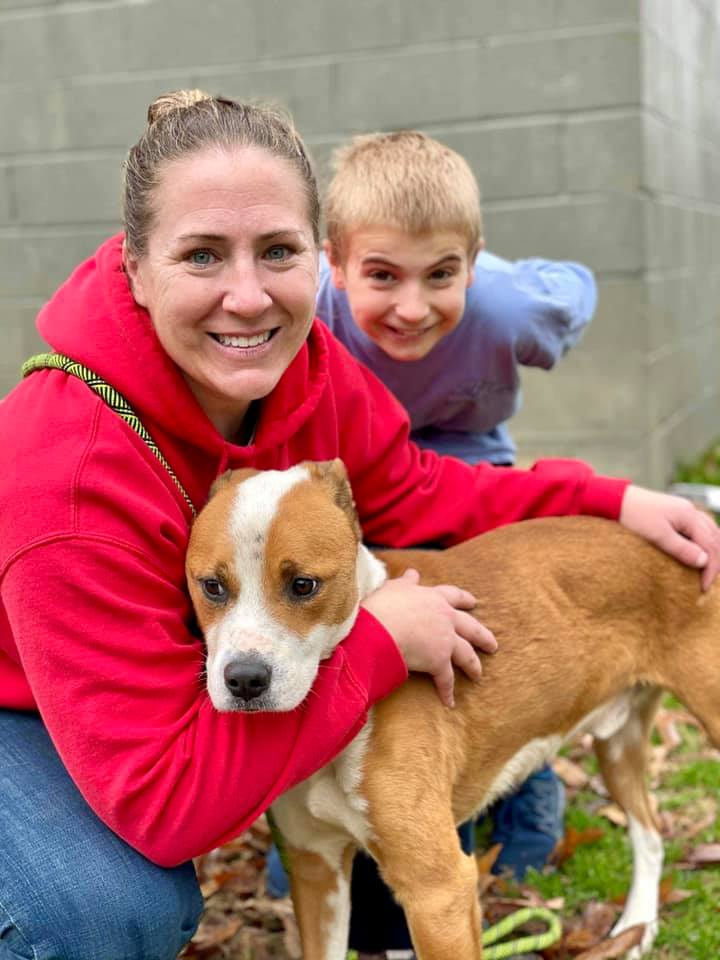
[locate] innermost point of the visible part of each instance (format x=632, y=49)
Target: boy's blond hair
x=404, y=180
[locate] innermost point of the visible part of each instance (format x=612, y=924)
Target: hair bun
x=175, y=100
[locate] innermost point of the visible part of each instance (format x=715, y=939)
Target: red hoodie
x=94, y=624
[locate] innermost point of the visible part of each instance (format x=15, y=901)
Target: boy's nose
x=411, y=307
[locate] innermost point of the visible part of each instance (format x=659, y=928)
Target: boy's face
x=405, y=292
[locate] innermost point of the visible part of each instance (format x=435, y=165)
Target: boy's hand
x=676, y=526
x=432, y=629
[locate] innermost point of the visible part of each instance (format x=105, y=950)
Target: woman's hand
x=676, y=526
x=432, y=629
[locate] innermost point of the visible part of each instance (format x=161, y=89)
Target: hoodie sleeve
x=117, y=679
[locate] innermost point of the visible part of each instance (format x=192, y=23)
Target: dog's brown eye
x=304, y=587
x=213, y=590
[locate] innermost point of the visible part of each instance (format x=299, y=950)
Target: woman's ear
x=336, y=271
x=134, y=274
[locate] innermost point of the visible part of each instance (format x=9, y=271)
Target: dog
x=593, y=624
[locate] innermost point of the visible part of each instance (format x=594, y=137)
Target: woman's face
x=230, y=275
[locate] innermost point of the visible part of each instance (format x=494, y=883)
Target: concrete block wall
x=590, y=124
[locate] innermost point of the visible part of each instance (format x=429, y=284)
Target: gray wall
x=592, y=125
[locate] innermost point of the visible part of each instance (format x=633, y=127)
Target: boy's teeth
x=244, y=341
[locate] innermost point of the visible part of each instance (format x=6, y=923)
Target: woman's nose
x=245, y=293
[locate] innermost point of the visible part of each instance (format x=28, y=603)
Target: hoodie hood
x=94, y=319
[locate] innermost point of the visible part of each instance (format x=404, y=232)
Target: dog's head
x=276, y=570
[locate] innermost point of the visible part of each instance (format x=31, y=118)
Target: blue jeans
x=70, y=889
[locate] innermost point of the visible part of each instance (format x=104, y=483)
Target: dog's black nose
x=247, y=677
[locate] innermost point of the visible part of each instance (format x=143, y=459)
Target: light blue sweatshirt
x=528, y=312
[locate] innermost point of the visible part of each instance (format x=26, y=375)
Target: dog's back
x=583, y=610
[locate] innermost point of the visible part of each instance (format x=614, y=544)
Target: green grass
x=600, y=871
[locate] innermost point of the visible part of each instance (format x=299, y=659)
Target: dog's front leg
x=321, y=900
x=432, y=879
x=320, y=855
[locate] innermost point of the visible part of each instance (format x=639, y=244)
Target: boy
x=408, y=290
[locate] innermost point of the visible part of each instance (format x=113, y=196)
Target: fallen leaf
x=704, y=855
x=599, y=918
x=614, y=814
x=571, y=774
x=666, y=726
x=615, y=947
x=573, y=839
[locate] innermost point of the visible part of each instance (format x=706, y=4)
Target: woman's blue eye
x=201, y=258
x=277, y=252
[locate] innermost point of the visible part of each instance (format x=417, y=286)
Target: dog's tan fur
x=592, y=624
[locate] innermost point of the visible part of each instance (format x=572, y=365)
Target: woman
x=201, y=316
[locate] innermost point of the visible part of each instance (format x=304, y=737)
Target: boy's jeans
x=69, y=888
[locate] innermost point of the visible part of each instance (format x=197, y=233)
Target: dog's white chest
x=323, y=812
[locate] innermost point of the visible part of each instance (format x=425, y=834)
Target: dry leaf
x=666, y=726
x=574, y=839
x=599, y=917
x=614, y=814
x=571, y=774
x=704, y=855
x=615, y=947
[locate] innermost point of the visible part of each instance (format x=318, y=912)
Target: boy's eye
x=278, y=252
x=441, y=274
x=201, y=258
x=381, y=276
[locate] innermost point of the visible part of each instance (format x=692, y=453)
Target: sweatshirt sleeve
x=542, y=306
x=117, y=679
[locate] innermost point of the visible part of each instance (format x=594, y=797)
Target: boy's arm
x=543, y=305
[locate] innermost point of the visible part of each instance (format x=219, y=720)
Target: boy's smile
x=406, y=292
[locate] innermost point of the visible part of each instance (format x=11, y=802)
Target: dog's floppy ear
x=334, y=475
x=230, y=476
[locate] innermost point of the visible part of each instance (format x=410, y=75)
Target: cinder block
x=110, y=112
x=81, y=40
x=587, y=394
x=621, y=320
x=512, y=160
x=604, y=153
x=536, y=74
x=85, y=190
x=583, y=13
x=19, y=337
x=677, y=376
x=21, y=5
x=682, y=438
x=328, y=27
x=47, y=257
x=606, y=234
x=617, y=455
x=7, y=212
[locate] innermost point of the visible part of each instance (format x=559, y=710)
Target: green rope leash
x=523, y=944
x=527, y=944
x=513, y=947
x=115, y=400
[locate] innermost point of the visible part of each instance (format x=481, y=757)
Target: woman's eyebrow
x=203, y=237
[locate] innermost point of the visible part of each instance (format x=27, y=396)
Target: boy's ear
x=471, y=260
x=336, y=271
